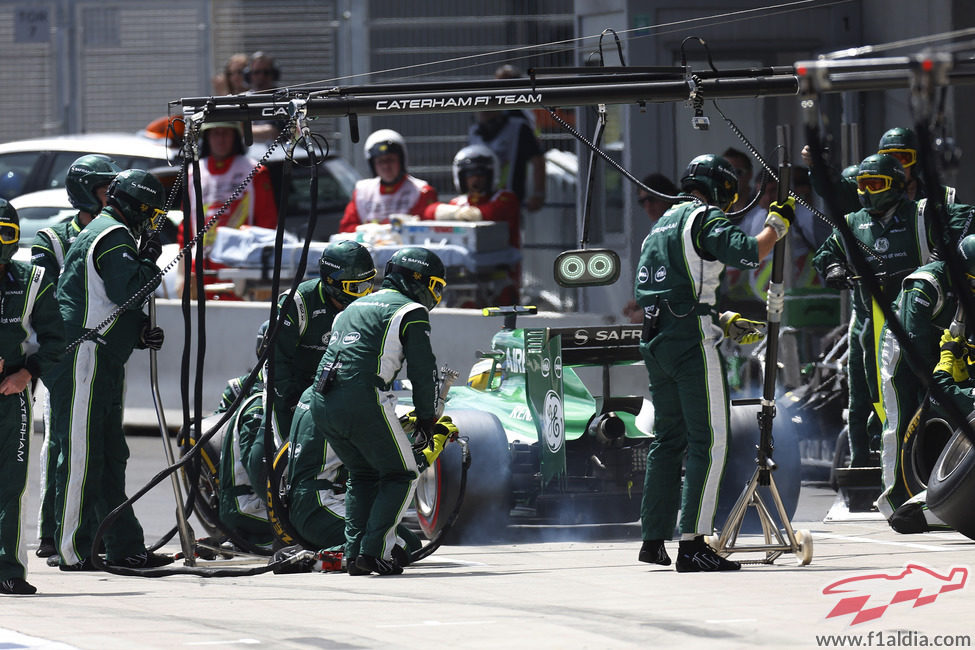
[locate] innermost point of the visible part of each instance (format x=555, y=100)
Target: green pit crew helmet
x=418, y=274
x=141, y=199
x=347, y=271
x=261, y=334
x=86, y=175
x=714, y=177
x=9, y=232
x=966, y=248
x=880, y=183
x=901, y=143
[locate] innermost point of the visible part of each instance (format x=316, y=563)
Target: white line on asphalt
x=443, y=559
x=229, y=642
x=11, y=639
x=731, y=620
x=440, y=623
x=847, y=538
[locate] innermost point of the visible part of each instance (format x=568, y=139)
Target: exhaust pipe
x=607, y=428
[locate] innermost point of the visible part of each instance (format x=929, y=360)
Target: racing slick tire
x=921, y=450
x=741, y=466
x=951, y=486
x=486, y=505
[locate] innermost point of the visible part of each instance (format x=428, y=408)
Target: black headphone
x=275, y=72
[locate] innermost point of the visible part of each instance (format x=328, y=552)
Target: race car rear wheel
x=486, y=504
x=741, y=466
x=951, y=487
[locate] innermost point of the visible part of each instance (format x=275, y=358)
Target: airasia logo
x=868, y=597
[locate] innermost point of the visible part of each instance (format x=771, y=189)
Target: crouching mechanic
x=86, y=182
x=317, y=484
x=242, y=508
x=347, y=272
x=925, y=307
x=354, y=408
x=677, y=282
x=103, y=271
x=31, y=343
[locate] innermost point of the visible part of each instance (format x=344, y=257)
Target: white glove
x=448, y=212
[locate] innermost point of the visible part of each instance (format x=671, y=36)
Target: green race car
x=547, y=448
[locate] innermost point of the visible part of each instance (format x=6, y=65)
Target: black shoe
x=909, y=519
x=84, y=565
x=354, y=570
x=143, y=560
x=401, y=556
x=46, y=547
x=54, y=560
x=653, y=552
x=695, y=555
x=17, y=586
x=370, y=564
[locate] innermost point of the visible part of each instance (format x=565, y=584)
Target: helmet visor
x=436, y=286
x=906, y=157
x=873, y=184
x=358, y=288
x=9, y=232
x=734, y=199
x=155, y=219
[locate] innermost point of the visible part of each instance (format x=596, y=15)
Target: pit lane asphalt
x=543, y=587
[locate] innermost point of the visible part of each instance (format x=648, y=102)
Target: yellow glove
x=780, y=216
x=741, y=330
x=444, y=431
x=953, y=357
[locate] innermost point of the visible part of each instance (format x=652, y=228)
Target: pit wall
x=231, y=341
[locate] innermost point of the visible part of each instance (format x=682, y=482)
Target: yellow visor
x=436, y=286
x=9, y=232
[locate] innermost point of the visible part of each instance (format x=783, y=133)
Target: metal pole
x=186, y=537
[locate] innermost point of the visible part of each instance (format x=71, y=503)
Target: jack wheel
x=804, y=554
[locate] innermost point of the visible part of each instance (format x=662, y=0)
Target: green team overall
x=894, y=230
x=347, y=272
x=681, y=262
x=31, y=343
x=241, y=468
x=86, y=182
x=925, y=308
x=103, y=269
x=316, y=484
x=242, y=457
x=355, y=409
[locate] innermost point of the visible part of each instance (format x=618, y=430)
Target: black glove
x=837, y=277
x=150, y=249
x=423, y=434
x=151, y=337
